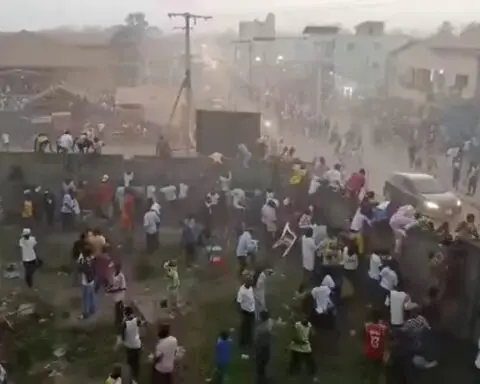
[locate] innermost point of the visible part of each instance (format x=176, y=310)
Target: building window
x=377, y=46
x=461, y=82
x=350, y=47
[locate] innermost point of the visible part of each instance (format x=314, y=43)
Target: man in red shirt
x=356, y=182
x=375, y=339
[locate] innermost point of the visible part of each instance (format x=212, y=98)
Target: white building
x=249, y=30
x=359, y=58
x=431, y=69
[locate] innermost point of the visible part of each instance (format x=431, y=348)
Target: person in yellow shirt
x=301, y=348
x=27, y=209
x=116, y=376
x=298, y=174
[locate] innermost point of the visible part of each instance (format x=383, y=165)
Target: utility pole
x=188, y=18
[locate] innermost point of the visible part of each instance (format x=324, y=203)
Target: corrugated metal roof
x=34, y=50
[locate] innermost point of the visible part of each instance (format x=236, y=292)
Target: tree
x=126, y=43
x=136, y=20
x=471, y=30
x=446, y=29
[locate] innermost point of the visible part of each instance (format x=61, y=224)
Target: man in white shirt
x=246, y=246
x=27, y=245
x=169, y=192
x=314, y=185
x=132, y=341
x=182, y=191
x=225, y=182
x=246, y=301
x=165, y=355
x=151, y=224
x=334, y=177
x=117, y=290
x=65, y=143
x=244, y=154
x=374, y=267
x=6, y=141
x=269, y=219
x=321, y=295
x=128, y=178
x=388, y=281
x=238, y=198
x=309, y=249
x=397, y=301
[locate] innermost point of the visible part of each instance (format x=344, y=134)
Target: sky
x=291, y=14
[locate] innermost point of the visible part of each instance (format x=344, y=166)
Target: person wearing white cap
x=151, y=223
x=27, y=245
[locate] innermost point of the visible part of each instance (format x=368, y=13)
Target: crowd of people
x=337, y=263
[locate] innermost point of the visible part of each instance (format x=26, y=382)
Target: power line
x=190, y=20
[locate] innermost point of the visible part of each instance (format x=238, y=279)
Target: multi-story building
x=435, y=69
x=358, y=59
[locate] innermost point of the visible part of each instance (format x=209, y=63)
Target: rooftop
x=321, y=30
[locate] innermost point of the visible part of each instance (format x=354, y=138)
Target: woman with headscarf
x=401, y=222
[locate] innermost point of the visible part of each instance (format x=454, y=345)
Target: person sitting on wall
x=65, y=143
x=83, y=143
x=41, y=143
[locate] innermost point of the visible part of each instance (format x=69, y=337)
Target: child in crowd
x=223, y=357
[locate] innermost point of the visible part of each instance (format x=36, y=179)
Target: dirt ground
x=86, y=349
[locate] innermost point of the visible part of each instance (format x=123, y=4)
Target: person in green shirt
x=301, y=349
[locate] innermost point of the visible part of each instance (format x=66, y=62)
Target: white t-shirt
x=350, y=262
x=321, y=295
x=167, y=349
x=132, y=334
x=151, y=192
x=225, y=183
x=246, y=299
x=357, y=222
x=334, y=178
x=374, y=268
x=182, y=191
x=269, y=218
x=5, y=138
x=396, y=301
x=66, y=141
x=388, y=278
x=28, y=248
x=308, y=253
x=119, y=282
x=238, y=198
x=127, y=178
x=170, y=192
x=314, y=185
x=328, y=282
